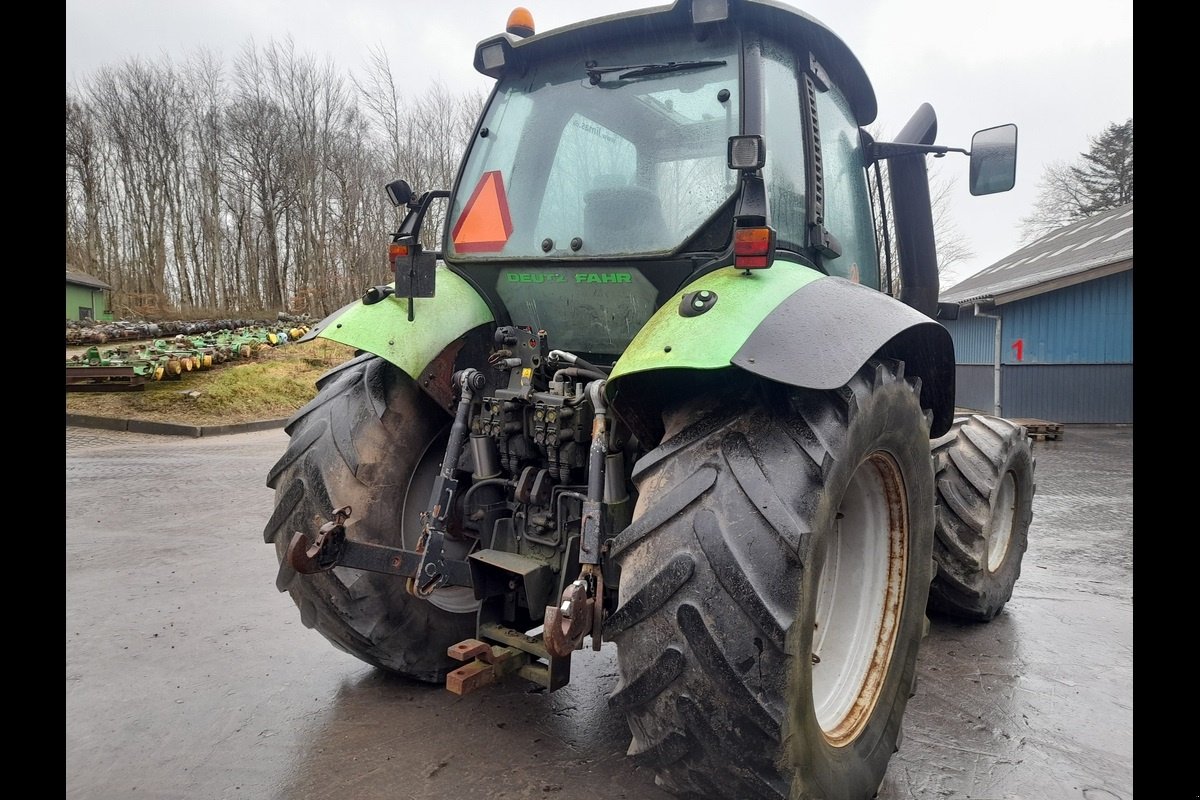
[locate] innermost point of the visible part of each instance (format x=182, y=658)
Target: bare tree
x=1099, y=179
x=424, y=137
x=309, y=97
x=377, y=88
x=205, y=77
x=139, y=109
x=84, y=192
x=360, y=215
x=253, y=187
x=257, y=156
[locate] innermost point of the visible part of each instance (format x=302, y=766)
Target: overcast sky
x=1061, y=70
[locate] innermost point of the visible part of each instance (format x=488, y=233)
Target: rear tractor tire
x=773, y=589
x=373, y=441
x=983, y=509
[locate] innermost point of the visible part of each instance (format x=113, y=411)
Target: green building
x=87, y=297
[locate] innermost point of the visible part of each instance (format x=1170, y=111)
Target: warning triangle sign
x=485, y=224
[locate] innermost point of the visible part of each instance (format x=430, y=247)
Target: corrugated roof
x=1099, y=241
x=82, y=279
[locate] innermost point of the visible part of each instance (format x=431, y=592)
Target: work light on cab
x=746, y=153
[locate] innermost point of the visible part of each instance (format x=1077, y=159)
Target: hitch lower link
x=331, y=548
x=426, y=568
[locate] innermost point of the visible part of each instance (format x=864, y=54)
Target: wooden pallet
x=1040, y=430
x=104, y=379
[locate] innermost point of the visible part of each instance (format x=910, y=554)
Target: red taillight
x=396, y=251
x=753, y=248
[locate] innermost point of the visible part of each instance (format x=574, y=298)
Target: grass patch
x=274, y=384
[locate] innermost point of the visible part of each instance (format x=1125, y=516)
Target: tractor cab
x=618, y=160
x=615, y=161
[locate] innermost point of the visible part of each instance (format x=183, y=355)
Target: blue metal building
x=1047, y=332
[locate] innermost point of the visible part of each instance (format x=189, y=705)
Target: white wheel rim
x=999, y=532
x=860, y=596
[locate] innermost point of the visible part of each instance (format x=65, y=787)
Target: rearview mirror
x=994, y=160
x=399, y=192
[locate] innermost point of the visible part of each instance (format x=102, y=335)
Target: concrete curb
x=198, y=431
x=169, y=428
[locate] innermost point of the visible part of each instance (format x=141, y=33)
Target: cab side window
x=847, y=200
x=784, y=123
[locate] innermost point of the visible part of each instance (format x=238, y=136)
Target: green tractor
x=663, y=385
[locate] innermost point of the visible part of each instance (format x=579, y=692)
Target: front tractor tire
x=984, y=508
x=773, y=589
x=373, y=441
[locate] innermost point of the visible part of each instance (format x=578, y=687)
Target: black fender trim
x=819, y=337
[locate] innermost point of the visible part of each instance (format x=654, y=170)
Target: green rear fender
x=384, y=329
x=738, y=302
x=788, y=324
x=696, y=333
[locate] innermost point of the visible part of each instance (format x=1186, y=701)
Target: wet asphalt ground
x=189, y=677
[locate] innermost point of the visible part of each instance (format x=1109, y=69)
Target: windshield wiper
x=628, y=71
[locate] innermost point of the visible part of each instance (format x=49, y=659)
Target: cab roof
x=778, y=18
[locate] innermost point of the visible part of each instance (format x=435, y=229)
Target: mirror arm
x=881, y=151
